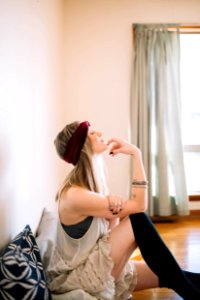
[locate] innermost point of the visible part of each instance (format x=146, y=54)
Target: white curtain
x=155, y=117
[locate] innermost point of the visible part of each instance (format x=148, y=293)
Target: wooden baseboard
x=195, y=212
x=194, y=197
x=159, y=219
x=163, y=219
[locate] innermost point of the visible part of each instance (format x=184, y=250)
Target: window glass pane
x=192, y=168
x=190, y=104
x=190, y=88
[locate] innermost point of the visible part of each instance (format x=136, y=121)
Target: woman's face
x=97, y=143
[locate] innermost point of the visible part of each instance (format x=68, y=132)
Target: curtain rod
x=187, y=28
x=183, y=28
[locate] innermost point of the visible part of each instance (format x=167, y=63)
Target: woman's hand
x=122, y=146
x=116, y=204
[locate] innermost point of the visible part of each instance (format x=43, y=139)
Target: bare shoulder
x=75, y=193
x=69, y=201
x=77, y=203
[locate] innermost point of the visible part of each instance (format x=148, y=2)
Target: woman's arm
x=79, y=202
x=139, y=182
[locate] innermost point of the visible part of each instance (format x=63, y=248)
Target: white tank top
x=77, y=250
x=65, y=253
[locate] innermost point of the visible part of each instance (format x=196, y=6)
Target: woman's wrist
x=139, y=183
x=139, y=174
x=135, y=152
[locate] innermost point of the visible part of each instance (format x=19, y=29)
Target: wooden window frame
x=185, y=29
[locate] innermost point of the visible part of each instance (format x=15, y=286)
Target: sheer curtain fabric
x=155, y=117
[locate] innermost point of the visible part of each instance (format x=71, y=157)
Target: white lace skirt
x=94, y=276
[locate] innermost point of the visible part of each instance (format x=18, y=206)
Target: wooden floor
x=182, y=236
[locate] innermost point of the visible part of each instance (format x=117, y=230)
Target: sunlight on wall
x=99, y=63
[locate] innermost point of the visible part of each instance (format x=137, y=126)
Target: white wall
x=35, y=102
x=98, y=63
x=31, y=95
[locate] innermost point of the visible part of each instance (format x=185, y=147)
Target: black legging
x=161, y=261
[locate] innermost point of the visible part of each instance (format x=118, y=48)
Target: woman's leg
x=159, y=258
x=146, y=279
x=193, y=277
x=122, y=246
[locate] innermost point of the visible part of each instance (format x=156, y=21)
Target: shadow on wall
x=6, y=187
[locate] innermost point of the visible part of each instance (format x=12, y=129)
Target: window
x=190, y=101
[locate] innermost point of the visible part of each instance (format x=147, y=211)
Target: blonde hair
x=88, y=172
